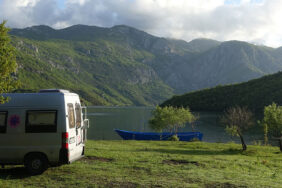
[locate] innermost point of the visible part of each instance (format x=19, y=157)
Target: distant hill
x=254, y=94
x=125, y=66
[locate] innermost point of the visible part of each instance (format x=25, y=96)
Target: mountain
x=105, y=65
x=255, y=94
x=102, y=72
x=125, y=66
x=229, y=62
x=202, y=44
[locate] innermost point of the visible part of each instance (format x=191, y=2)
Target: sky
x=255, y=21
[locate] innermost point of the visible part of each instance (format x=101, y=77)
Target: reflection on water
x=99, y=114
x=103, y=121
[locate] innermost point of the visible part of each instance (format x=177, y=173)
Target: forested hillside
x=254, y=94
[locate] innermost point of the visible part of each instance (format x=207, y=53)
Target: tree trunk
x=280, y=144
x=244, y=146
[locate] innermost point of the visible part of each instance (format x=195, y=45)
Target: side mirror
x=86, y=123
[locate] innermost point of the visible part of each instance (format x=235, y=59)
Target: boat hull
x=183, y=136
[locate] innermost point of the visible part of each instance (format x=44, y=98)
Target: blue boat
x=183, y=136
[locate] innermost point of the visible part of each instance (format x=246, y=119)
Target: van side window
x=38, y=121
x=3, y=122
x=78, y=115
x=71, y=115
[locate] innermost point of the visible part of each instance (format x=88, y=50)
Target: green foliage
x=170, y=118
x=174, y=138
x=232, y=130
x=272, y=121
x=7, y=63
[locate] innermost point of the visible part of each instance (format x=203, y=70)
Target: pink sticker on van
x=14, y=121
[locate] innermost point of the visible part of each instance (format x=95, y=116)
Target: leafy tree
x=170, y=118
x=7, y=63
x=237, y=120
x=272, y=120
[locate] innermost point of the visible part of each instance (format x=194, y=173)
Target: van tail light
x=65, y=140
x=64, y=151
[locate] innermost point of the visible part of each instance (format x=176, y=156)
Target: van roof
x=50, y=97
x=54, y=91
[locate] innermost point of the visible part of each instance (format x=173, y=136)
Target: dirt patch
x=105, y=182
x=178, y=162
x=143, y=161
x=95, y=158
x=122, y=184
x=222, y=185
x=147, y=170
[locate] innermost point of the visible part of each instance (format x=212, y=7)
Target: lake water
x=103, y=121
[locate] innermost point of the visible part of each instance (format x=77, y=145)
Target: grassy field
x=159, y=164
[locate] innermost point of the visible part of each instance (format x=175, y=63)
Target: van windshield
x=71, y=115
x=78, y=115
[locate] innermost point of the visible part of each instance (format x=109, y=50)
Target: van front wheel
x=36, y=163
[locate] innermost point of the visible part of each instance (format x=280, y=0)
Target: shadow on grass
x=13, y=173
x=195, y=152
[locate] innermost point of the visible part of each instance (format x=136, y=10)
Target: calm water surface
x=103, y=121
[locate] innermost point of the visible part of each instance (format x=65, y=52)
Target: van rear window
x=3, y=122
x=38, y=121
x=78, y=115
x=71, y=115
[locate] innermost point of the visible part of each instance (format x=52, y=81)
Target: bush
x=174, y=138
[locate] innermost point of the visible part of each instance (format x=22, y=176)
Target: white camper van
x=42, y=129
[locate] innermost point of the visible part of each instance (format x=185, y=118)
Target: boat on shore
x=183, y=136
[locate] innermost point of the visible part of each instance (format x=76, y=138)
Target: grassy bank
x=159, y=164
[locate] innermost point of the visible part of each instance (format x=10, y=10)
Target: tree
x=170, y=118
x=7, y=63
x=272, y=121
x=238, y=120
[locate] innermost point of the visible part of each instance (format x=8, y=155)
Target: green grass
x=159, y=164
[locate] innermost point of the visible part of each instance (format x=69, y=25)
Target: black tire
x=36, y=163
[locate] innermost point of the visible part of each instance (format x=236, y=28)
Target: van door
x=78, y=124
x=85, y=123
x=75, y=146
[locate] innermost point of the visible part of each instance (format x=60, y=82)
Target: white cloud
x=255, y=21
